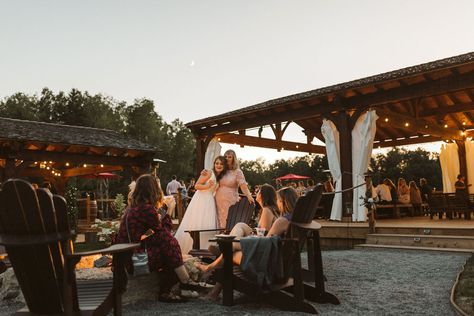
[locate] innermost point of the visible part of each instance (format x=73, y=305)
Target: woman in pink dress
x=227, y=194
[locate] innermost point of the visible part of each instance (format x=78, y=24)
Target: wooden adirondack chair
x=35, y=231
x=240, y=212
x=294, y=293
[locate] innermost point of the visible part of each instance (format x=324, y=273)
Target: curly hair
x=147, y=191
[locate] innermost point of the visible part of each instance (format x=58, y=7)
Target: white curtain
x=470, y=164
x=213, y=150
x=449, y=160
x=363, y=136
x=331, y=137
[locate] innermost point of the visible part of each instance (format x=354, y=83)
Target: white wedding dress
x=200, y=214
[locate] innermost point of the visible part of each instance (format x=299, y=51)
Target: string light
x=445, y=125
x=386, y=119
x=463, y=123
x=67, y=164
x=407, y=124
x=101, y=165
x=85, y=165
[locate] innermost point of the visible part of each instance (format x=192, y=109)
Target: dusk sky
x=201, y=58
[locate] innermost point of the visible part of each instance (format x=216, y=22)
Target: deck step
x=435, y=241
x=371, y=246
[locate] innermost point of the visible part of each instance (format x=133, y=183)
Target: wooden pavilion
x=57, y=152
x=424, y=103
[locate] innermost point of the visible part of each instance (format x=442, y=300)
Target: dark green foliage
x=411, y=165
x=72, y=208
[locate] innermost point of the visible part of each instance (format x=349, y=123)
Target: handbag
x=139, y=259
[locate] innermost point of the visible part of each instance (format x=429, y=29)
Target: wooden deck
x=340, y=235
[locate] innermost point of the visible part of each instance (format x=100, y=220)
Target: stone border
x=456, y=307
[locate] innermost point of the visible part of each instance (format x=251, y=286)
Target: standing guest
x=201, y=213
x=173, y=186
x=403, y=192
x=383, y=192
x=426, y=190
x=227, y=193
x=460, y=186
x=191, y=189
x=184, y=194
x=415, y=197
x=145, y=216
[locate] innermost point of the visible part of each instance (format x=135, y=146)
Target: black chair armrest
x=117, y=248
x=204, y=230
x=31, y=240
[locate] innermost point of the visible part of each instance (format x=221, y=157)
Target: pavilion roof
x=67, y=150
x=32, y=131
x=423, y=103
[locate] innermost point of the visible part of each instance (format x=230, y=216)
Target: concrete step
x=436, y=241
x=369, y=246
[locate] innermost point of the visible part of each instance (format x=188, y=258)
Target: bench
x=450, y=203
x=396, y=210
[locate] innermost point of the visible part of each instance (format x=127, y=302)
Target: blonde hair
x=235, y=161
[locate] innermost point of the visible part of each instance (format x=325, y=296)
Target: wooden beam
x=447, y=110
x=420, y=90
x=38, y=155
x=269, y=143
x=406, y=141
x=417, y=126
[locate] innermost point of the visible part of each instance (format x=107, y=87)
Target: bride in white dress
x=201, y=212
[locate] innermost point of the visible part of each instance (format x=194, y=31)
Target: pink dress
x=227, y=194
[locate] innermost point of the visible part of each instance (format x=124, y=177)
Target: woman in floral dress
x=227, y=194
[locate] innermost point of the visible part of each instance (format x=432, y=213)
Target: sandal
x=171, y=298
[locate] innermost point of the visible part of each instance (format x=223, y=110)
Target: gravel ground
x=368, y=282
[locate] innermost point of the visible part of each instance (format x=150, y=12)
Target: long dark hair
x=287, y=197
x=268, y=196
x=147, y=191
x=224, y=163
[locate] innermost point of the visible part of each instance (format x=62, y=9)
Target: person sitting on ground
x=403, y=192
x=286, y=201
x=383, y=192
x=415, y=197
x=145, y=215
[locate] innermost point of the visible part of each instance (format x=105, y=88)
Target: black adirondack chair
x=35, y=232
x=240, y=212
x=293, y=293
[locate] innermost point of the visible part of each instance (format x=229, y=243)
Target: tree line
x=140, y=120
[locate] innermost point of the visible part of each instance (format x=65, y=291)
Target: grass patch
x=464, y=295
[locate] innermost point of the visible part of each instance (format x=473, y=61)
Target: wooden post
x=9, y=170
x=345, y=145
x=463, y=161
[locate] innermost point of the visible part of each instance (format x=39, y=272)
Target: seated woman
x=145, y=215
x=403, y=192
x=286, y=201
